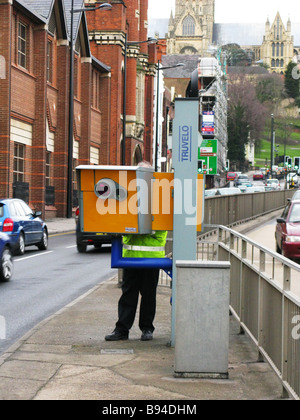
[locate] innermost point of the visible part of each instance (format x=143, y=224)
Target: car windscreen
x=295, y=214
x=1, y=210
x=296, y=196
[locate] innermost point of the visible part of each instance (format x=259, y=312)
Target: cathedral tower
x=190, y=31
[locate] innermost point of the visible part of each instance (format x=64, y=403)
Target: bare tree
x=246, y=114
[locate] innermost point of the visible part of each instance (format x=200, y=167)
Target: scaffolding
x=213, y=99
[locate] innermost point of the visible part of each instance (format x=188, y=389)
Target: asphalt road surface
x=45, y=281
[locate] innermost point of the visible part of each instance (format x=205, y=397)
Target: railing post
x=262, y=261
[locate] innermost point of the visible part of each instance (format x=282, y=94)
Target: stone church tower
x=277, y=49
x=190, y=31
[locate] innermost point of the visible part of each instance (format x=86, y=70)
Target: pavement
x=65, y=357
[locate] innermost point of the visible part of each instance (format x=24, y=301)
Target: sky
x=237, y=11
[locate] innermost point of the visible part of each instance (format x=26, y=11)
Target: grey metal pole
x=157, y=114
x=124, y=104
x=71, y=119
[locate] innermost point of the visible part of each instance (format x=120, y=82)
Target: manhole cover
x=117, y=351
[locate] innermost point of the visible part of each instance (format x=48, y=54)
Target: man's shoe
x=116, y=336
x=147, y=335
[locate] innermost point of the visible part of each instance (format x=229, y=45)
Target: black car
x=83, y=239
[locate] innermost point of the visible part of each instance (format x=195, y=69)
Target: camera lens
x=107, y=188
x=103, y=189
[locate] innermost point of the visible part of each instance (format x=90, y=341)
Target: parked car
x=228, y=191
x=240, y=178
x=272, y=184
x=258, y=176
x=243, y=184
x=83, y=239
x=22, y=225
x=231, y=176
x=296, y=196
x=210, y=193
x=255, y=189
x=6, y=258
x=287, y=234
x=263, y=171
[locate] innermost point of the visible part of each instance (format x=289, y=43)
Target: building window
x=273, y=63
x=19, y=162
x=74, y=176
x=49, y=61
x=76, y=77
x=96, y=90
x=22, y=44
x=273, y=49
x=277, y=49
x=48, y=169
x=282, y=49
x=188, y=26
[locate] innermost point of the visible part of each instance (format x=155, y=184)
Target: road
x=45, y=281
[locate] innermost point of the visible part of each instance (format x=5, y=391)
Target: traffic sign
x=208, y=154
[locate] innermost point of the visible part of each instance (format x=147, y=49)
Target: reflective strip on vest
x=144, y=248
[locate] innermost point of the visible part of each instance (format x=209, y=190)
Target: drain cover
x=117, y=351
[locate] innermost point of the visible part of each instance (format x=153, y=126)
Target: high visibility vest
x=145, y=246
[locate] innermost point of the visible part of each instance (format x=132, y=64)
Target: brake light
x=77, y=211
x=8, y=225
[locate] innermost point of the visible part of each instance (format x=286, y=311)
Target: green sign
x=208, y=154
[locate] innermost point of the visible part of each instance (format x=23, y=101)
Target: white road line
x=71, y=246
x=33, y=256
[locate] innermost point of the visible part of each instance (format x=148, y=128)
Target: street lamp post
x=149, y=41
x=272, y=144
x=157, y=108
x=103, y=6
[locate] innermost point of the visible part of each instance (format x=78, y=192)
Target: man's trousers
x=135, y=281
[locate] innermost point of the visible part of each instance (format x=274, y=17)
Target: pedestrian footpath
x=65, y=357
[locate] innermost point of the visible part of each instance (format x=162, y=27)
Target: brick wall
x=5, y=48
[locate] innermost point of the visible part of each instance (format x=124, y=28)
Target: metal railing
x=265, y=300
x=227, y=210
x=265, y=286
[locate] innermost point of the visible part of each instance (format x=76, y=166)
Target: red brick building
x=108, y=39
x=34, y=94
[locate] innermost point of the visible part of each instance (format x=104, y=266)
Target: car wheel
x=21, y=245
x=6, y=267
x=81, y=247
x=43, y=245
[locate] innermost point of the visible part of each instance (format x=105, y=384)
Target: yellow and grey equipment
x=128, y=199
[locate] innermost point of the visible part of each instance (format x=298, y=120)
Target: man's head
x=145, y=164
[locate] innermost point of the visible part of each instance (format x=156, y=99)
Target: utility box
x=202, y=319
x=115, y=199
x=130, y=199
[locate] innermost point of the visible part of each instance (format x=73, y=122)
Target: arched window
x=273, y=49
x=273, y=63
x=277, y=49
x=188, y=26
x=282, y=49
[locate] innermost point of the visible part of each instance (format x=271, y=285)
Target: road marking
x=52, y=235
x=33, y=256
x=71, y=246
